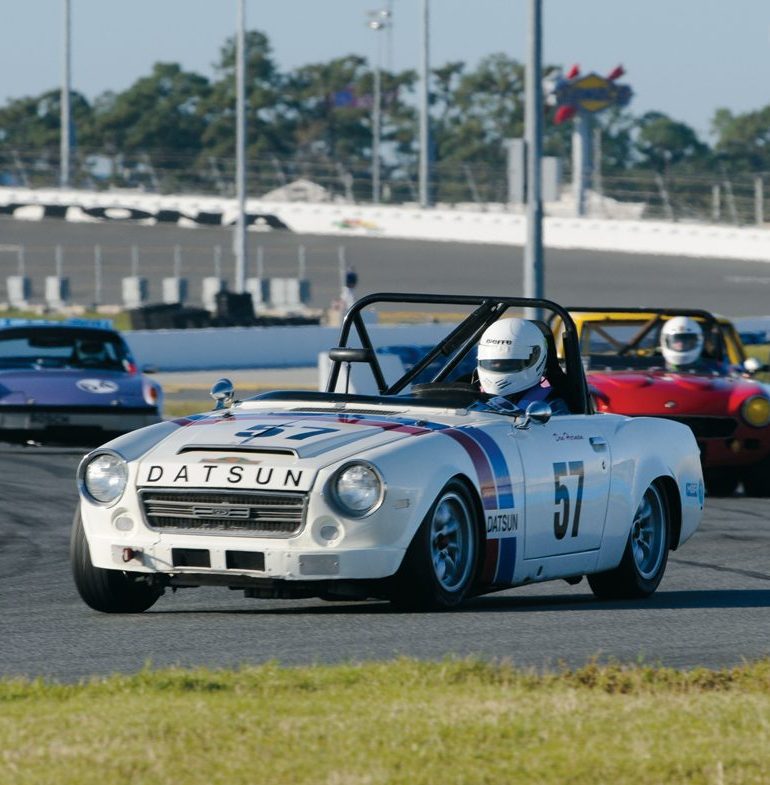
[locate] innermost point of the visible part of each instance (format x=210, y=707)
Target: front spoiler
x=202, y=561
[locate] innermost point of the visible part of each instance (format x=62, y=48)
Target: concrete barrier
x=259, y=347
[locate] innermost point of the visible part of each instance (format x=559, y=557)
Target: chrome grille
x=257, y=513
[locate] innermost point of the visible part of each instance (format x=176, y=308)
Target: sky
x=682, y=57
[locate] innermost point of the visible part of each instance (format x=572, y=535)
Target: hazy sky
x=683, y=57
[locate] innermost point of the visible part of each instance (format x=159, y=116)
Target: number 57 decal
x=561, y=517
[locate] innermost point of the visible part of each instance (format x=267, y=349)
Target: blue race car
x=71, y=381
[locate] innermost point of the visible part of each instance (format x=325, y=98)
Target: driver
x=681, y=343
x=91, y=353
x=512, y=357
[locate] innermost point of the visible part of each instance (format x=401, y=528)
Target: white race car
x=424, y=494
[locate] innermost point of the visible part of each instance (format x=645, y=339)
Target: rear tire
x=644, y=559
x=440, y=564
x=108, y=591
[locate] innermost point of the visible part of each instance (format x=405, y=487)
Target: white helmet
x=681, y=341
x=512, y=356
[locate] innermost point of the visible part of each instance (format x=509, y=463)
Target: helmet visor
x=511, y=365
x=682, y=342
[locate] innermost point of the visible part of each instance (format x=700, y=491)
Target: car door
x=567, y=467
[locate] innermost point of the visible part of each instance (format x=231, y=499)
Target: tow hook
x=131, y=553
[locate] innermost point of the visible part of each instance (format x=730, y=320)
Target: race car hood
x=70, y=387
x=670, y=394
x=293, y=444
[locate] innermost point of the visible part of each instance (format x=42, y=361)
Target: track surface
x=730, y=287
x=712, y=609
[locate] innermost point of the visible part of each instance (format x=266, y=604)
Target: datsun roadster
x=424, y=494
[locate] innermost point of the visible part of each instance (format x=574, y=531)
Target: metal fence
x=713, y=197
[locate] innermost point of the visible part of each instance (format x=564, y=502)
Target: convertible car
x=423, y=494
x=71, y=381
x=727, y=408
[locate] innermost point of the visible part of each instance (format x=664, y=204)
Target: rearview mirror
x=752, y=365
x=223, y=392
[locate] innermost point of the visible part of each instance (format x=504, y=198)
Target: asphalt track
x=575, y=277
x=712, y=609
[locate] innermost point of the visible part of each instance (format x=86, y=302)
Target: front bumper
x=327, y=546
x=201, y=561
x=60, y=418
x=738, y=451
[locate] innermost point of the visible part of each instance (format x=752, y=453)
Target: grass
x=407, y=722
x=120, y=320
x=418, y=317
x=174, y=409
x=759, y=350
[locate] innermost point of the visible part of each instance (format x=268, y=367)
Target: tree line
x=320, y=114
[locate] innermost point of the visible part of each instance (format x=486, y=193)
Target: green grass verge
x=407, y=722
x=121, y=320
x=173, y=409
x=759, y=350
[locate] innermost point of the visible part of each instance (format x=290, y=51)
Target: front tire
x=440, y=564
x=756, y=479
x=721, y=482
x=646, y=555
x=108, y=591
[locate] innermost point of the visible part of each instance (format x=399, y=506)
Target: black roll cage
x=459, y=341
x=695, y=313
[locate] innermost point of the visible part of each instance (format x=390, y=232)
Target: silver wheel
x=439, y=566
x=452, y=541
x=646, y=553
x=648, y=533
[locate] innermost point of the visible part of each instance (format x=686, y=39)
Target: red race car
x=628, y=353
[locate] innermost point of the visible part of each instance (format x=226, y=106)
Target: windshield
x=54, y=347
x=618, y=344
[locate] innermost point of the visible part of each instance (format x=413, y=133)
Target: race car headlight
x=104, y=477
x=357, y=489
x=756, y=411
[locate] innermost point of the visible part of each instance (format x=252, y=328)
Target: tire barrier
x=169, y=316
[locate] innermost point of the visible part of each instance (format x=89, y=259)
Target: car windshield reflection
x=44, y=348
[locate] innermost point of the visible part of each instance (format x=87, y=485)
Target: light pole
x=378, y=21
x=64, y=171
x=424, y=108
x=239, y=238
x=533, y=252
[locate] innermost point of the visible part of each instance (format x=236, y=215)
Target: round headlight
x=756, y=411
x=105, y=478
x=357, y=489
